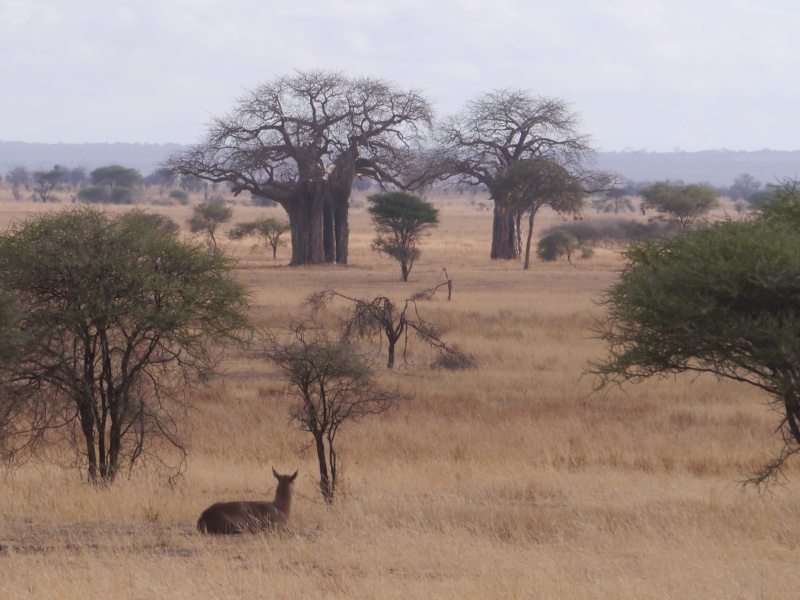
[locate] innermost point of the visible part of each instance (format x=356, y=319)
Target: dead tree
x=381, y=318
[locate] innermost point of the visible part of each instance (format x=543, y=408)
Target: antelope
x=250, y=517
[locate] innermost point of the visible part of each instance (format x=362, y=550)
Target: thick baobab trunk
x=306, y=227
x=504, y=235
x=336, y=228
x=341, y=224
x=328, y=237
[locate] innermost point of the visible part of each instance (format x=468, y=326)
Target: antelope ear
x=293, y=477
x=275, y=473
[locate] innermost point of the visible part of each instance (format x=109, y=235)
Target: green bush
x=96, y=194
x=123, y=195
x=557, y=244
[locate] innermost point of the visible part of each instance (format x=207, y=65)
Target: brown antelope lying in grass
x=250, y=517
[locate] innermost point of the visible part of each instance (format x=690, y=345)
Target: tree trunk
x=305, y=224
x=341, y=223
x=390, y=362
x=87, y=427
x=405, y=269
x=528, y=242
x=114, y=449
x=324, y=478
x=328, y=237
x=504, y=235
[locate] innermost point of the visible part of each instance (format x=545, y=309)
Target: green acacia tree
x=118, y=317
x=723, y=300
x=207, y=218
x=401, y=220
x=269, y=230
x=679, y=202
x=116, y=175
x=528, y=185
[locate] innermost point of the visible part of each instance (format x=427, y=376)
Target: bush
x=96, y=194
x=123, y=195
x=179, y=196
x=557, y=244
x=614, y=232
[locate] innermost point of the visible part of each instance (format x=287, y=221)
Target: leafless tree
x=498, y=129
x=744, y=186
x=380, y=317
x=302, y=139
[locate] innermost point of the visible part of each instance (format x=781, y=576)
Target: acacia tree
x=722, y=300
x=617, y=199
x=45, y=183
x=380, y=317
x=267, y=229
x=498, y=129
x=679, y=202
x=118, y=317
x=300, y=140
x=531, y=184
x=207, y=218
x=400, y=220
x=116, y=175
x=334, y=384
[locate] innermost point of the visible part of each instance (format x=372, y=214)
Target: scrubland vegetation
x=509, y=481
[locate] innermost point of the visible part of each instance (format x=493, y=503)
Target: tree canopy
x=301, y=139
x=400, y=220
x=207, y=218
x=533, y=183
x=268, y=229
x=45, y=182
x=723, y=300
x=116, y=175
x=678, y=201
x=334, y=385
x=118, y=317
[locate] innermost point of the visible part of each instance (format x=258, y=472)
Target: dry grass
x=511, y=481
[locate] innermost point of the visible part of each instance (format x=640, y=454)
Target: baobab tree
x=531, y=184
x=301, y=140
x=502, y=127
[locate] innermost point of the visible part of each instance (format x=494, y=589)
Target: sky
x=658, y=75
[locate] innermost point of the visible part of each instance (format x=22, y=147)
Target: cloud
x=643, y=74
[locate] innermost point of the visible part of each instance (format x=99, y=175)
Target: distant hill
x=717, y=167
x=145, y=157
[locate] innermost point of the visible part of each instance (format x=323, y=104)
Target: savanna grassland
x=510, y=481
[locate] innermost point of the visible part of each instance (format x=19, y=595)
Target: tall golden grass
x=510, y=481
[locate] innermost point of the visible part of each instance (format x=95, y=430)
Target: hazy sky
x=643, y=74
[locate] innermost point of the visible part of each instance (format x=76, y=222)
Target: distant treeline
x=716, y=167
